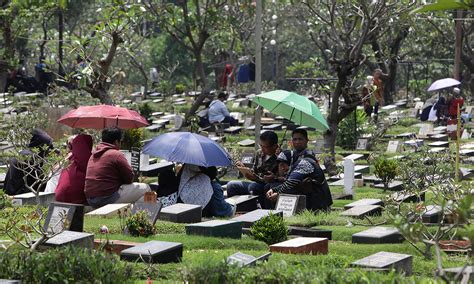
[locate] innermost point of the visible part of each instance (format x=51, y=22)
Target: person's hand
x=272, y=196
x=251, y=176
x=239, y=164
x=269, y=177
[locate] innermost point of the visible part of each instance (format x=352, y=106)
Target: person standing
x=109, y=176
x=378, y=93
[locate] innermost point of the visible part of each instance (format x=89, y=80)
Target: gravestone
x=425, y=129
x=349, y=176
x=394, y=185
x=9, y=281
x=233, y=129
x=72, y=238
x=61, y=214
x=393, y=146
x=181, y=213
x=151, y=209
x=154, y=252
x=216, y=228
x=242, y=259
x=433, y=214
x=246, y=143
x=407, y=197
x=438, y=137
x=467, y=152
x=290, y=204
x=419, y=105
x=442, y=144
x=402, y=263
x=109, y=210
x=362, y=169
x=45, y=198
x=366, y=201
x=309, y=232
x=362, y=211
x=249, y=218
x=302, y=245
x=244, y=203
x=362, y=144
x=378, y=235
x=354, y=157
x=135, y=163
x=465, y=134
x=274, y=127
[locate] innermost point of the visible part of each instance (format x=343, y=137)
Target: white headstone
x=349, y=176
x=393, y=146
x=465, y=134
x=425, y=129
x=361, y=144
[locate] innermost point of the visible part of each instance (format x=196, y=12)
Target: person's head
x=457, y=92
x=222, y=96
x=370, y=80
x=377, y=73
x=284, y=160
x=299, y=139
x=268, y=142
x=112, y=135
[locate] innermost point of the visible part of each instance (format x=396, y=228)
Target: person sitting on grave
x=39, y=147
x=109, y=176
x=168, y=184
x=70, y=188
x=199, y=186
x=218, y=112
x=305, y=176
x=264, y=168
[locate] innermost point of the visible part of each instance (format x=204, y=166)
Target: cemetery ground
x=203, y=257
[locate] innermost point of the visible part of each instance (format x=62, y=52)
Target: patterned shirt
x=261, y=166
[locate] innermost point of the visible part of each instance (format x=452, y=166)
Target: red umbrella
x=103, y=116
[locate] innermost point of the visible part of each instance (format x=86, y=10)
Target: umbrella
x=443, y=5
x=443, y=84
x=188, y=148
x=293, y=107
x=103, y=116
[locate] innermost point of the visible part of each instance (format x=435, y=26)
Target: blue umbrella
x=188, y=148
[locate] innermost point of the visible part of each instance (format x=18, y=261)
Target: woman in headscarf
x=70, y=187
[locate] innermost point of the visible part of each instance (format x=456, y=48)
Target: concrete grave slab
x=246, y=143
x=154, y=252
x=181, y=213
x=242, y=259
x=402, y=263
x=366, y=201
x=378, y=235
x=64, y=216
x=249, y=218
x=110, y=210
x=442, y=144
x=29, y=198
x=79, y=239
x=216, y=228
x=394, y=185
x=302, y=245
x=362, y=211
x=244, y=203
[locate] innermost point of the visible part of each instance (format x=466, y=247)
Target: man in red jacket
x=109, y=176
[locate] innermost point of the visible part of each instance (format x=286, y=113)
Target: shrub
x=5, y=201
x=145, y=110
x=270, y=229
x=386, y=170
x=132, y=138
x=350, y=129
x=138, y=225
x=65, y=265
x=180, y=88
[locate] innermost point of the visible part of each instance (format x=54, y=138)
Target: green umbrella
x=293, y=107
x=443, y=5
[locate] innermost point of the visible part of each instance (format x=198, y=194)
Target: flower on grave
x=104, y=229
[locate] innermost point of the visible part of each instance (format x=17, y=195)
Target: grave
x=465, y=135
x=337, y=183
x=9, y=281
x=290, y=204
x=415, y=143
x=362, y=144
x=246, y=143
x=64, y=216
x=72, y=238
x=242, y=259
x=393, y=146
x=233, y=129
x=407, y=135
x=362, y=211
x=309, y=232
x=402, y=263
x=354, y=157
x=113, y=246
x=467, y=273
x=152, y=209
x=371, y=179
x=110, y=210
x=362, y=169
x=155, y=127
x=348, y=177
x=433, y=214
x=154, y=252
x=425, y=129
x=467, y=152
x=30, y=198
x=437, y=149
x=249, y=218
x=181, y=213
x=378, y=235
x=407, y=197
x=216, y=228
x=341, y=176
x=438, y=137
x=394, y=185
x=366, y=201
x=466, y=173
x=153, y=170
x=442, y=144
x=302, y=245
x=441, y=129
x=274, y=127
x=244, y=203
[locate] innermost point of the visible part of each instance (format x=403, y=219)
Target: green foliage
x=132, y=138
x=145, y=110
x=66, y=265
x=270, y=229
x=5, y=201
x=386, y=170
x=350, y=129
x=139, y=225
x=180, y=88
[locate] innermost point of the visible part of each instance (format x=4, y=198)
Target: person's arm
x=125, y=170
x=224, y=109
x=302, y=171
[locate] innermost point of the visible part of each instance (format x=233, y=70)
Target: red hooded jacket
x=70, y=187
x=107, y=170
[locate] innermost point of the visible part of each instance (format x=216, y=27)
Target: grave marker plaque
x=109, y=210
x=387, y=260
x=151, y=209
x=154, y=252
x=349, y=176
x=378, y=235
x=242, y=259
x=61, y=214
x=80, y=239
x=290, y=204
x=393, y=146
x=363, y=210
x=216, y=228
x=135, y=163
x=362, y=144
x=244, y=203
x=181, y=213
x=366, y=201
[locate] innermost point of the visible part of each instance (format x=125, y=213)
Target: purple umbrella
x=443, y=84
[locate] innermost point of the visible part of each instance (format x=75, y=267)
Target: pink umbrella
x=443, y=84
x=103, y=116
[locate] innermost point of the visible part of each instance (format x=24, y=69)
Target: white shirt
x=217, y=111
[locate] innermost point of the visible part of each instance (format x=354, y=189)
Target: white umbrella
x=443, y=84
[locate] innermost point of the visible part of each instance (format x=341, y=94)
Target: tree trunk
x=60, y=42
x=101, y=94
x=329, y=143
x=201, y=73
x=390, y=82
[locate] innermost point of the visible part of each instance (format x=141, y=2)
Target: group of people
x=444, y=108
x=278, y=172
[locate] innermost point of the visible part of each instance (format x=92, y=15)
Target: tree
x=191, y=24
x=346, y=27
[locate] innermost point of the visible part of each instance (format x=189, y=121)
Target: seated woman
x=198, y=186
x=70, y=187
